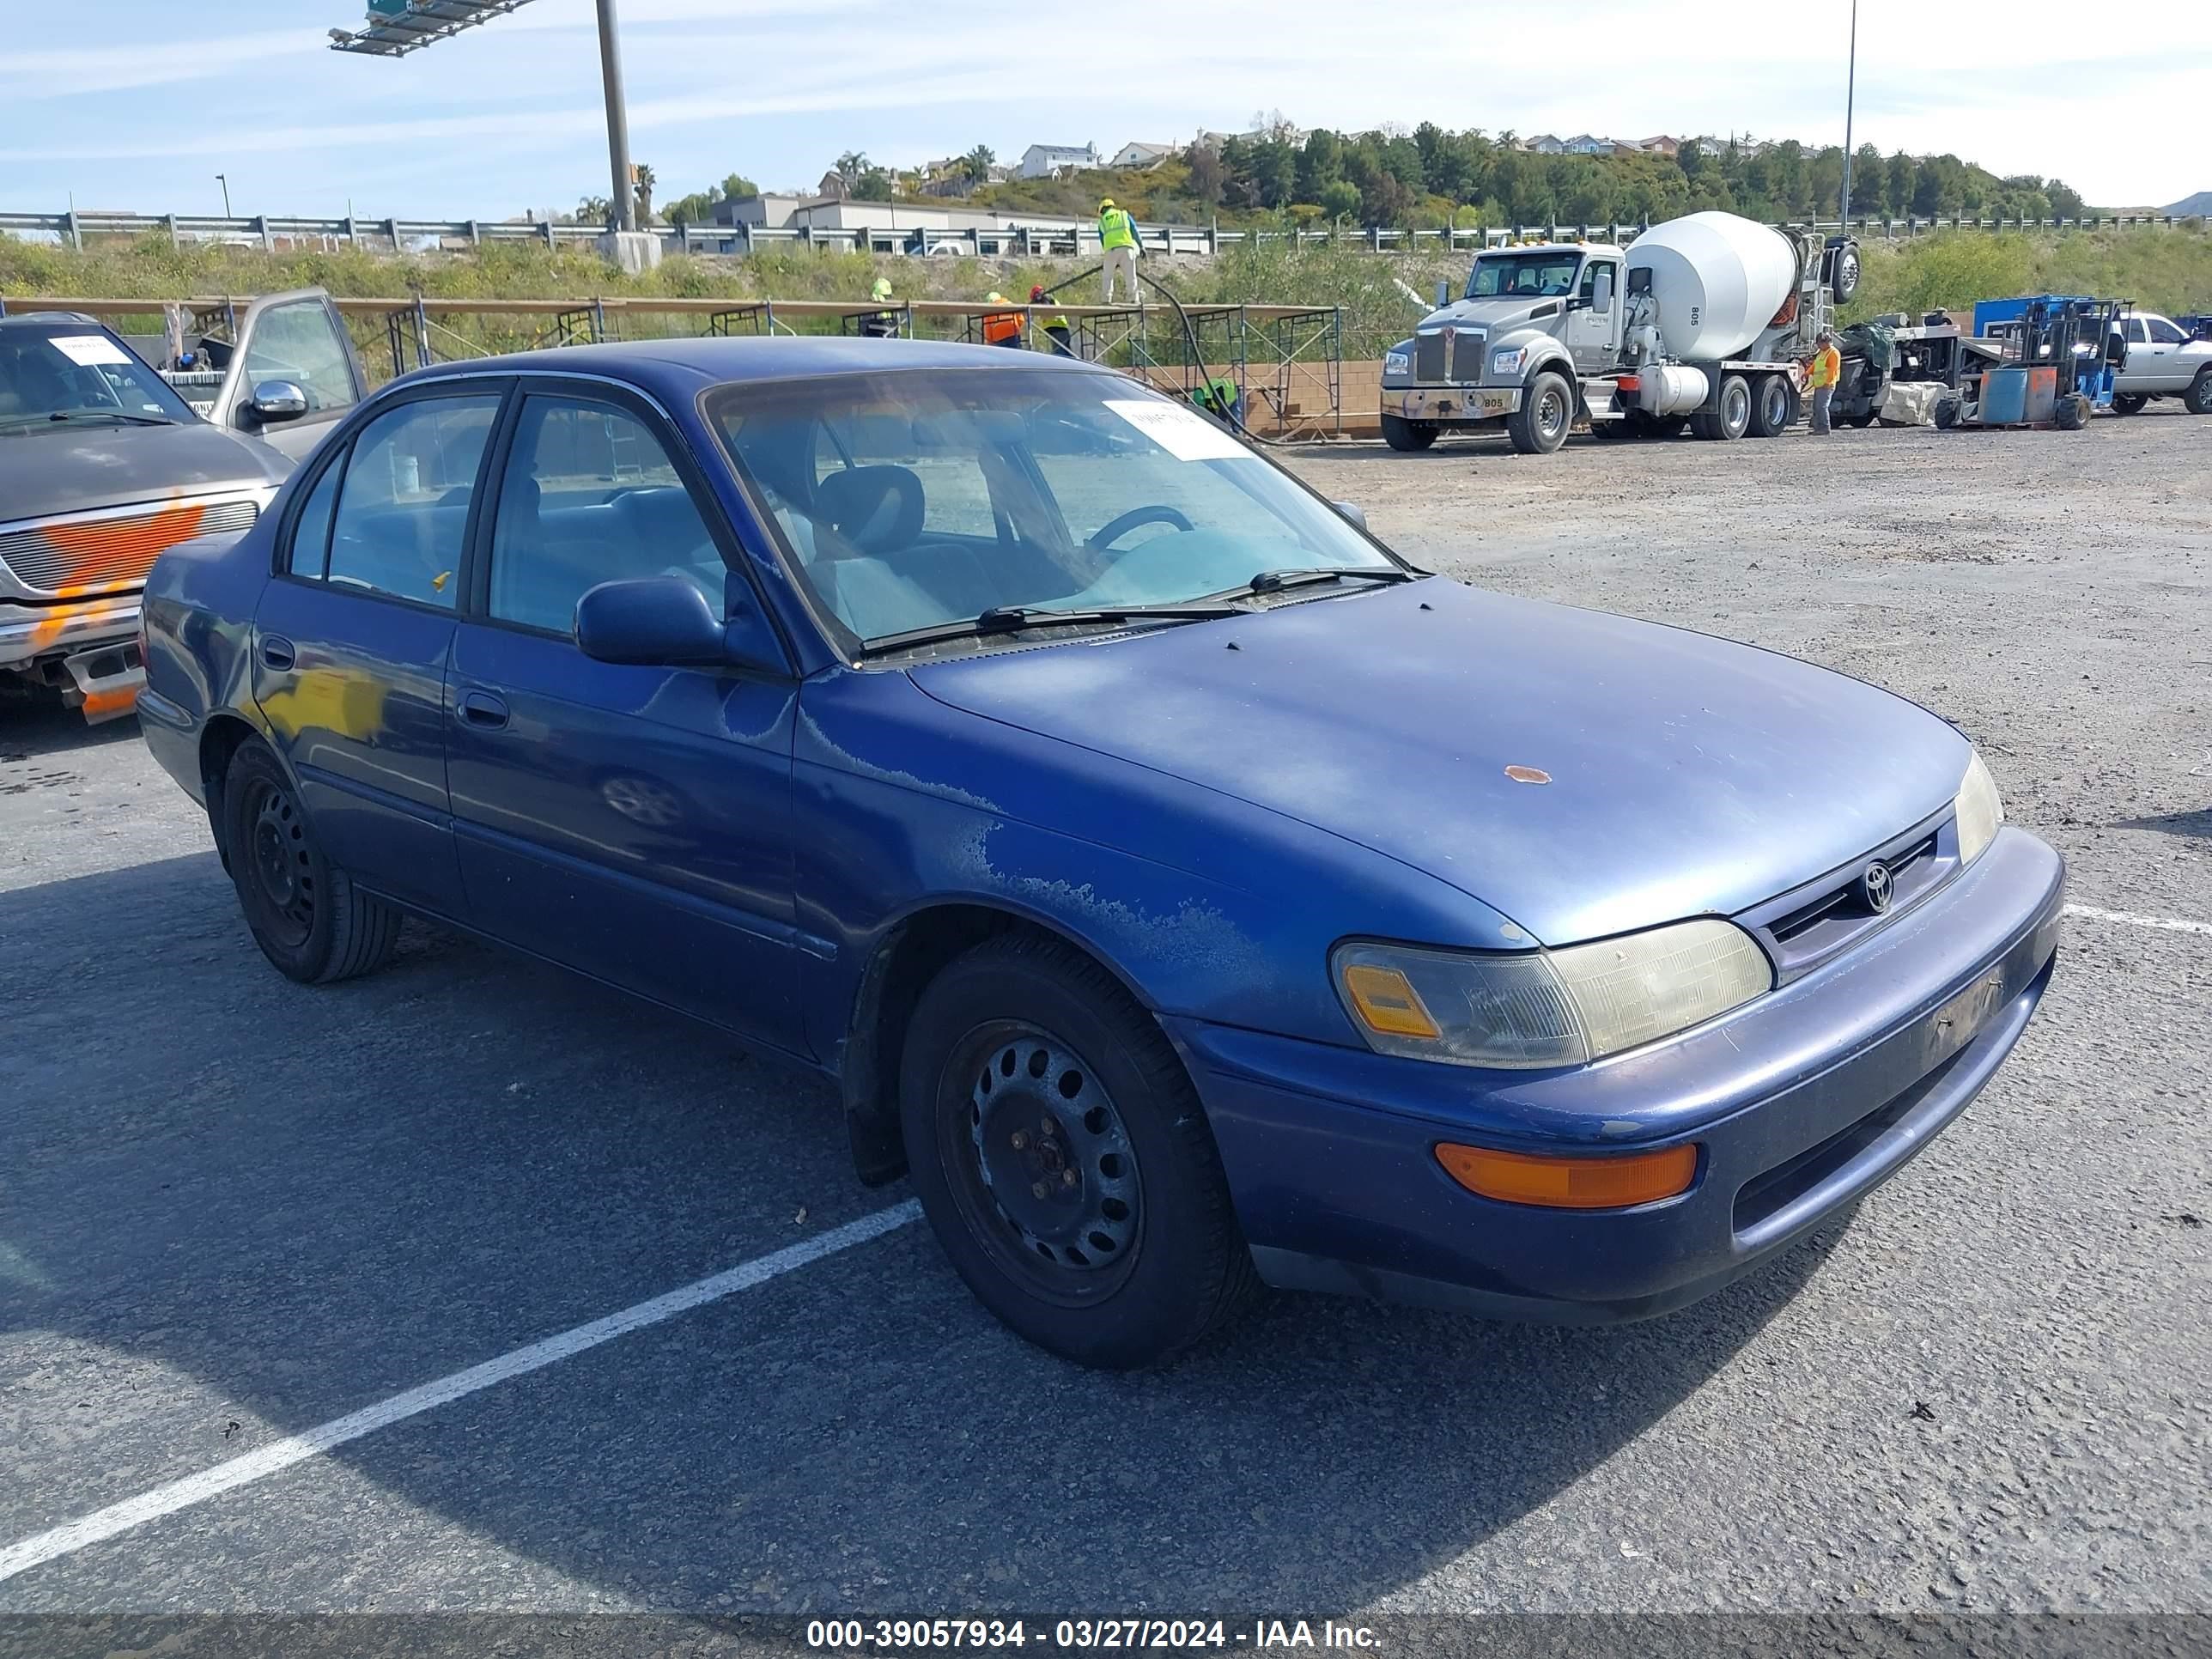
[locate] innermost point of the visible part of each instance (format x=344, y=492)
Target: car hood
x=1688, y=775
x=81, y=468
x=1494, y=315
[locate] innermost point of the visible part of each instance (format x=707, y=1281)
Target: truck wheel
x=2129, y=402
x=2199, y=397
x=1732, y=419
x=1399, y=433
x=1665, y=426
x=2072, y=413
x=1844, y=273
x=1548, y=410
x=1773, y=406
x=1947, y=414
x=1063, y=1159
x=304, y=912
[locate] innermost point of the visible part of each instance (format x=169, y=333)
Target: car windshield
x=918, y=498
x=50, y=376
x=1511, y=276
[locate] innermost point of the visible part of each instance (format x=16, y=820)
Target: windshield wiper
x=90, y=415
x=1018, y=618
x=1274, y=582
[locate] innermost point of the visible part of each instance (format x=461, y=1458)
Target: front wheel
x=2072, y=413
x=2129, y=403
x=305, y=913
x=1402, y=433
x=1547, y=409
x=1063, y=1159
x=2199, y=398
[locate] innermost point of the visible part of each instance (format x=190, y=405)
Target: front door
x=629, y=821
x=301, y=339
x=352, y=636
x=1589, y=332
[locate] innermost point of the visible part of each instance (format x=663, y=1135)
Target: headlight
x=1506, y=364
x=1547, y=1007
x=1978, y=811
x=1397, y=362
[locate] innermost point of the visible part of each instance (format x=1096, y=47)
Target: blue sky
x=137, y=104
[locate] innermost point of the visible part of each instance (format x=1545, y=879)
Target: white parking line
x=2170, y=924
x=103, y=1524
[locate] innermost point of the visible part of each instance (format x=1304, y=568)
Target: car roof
x=29, y=320
x=680, y=367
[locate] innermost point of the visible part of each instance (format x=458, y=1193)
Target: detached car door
x=299, y=340
x=629, y=821
x=352, y=637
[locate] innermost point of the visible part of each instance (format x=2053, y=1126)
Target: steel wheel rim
x=1777, y=405
x=1735, y=408
x=280, y=865
x=1550, y=413
x=1041, y=1162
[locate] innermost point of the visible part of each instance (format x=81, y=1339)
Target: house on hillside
x=1050, y=161
x=1662, y=145
x=1295, y=137
x=1584, y=143
x=1543, y=143
x=1136, y=155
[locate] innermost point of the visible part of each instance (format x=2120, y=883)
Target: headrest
x=877, y=508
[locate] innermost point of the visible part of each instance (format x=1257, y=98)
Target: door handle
x=277, y=653
x=481, y=709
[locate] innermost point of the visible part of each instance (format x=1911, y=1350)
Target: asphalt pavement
x=233, y=1210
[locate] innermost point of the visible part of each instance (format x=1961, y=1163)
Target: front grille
x=1429, y=357
x=1802, y=929
x=1466, y=356
x=84, y=555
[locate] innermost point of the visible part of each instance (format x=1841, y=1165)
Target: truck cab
x=1526, y=310
x=2163, y=360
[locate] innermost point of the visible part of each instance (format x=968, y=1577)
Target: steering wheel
x=1114, y=529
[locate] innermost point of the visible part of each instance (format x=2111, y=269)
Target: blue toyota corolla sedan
x=1183, y=888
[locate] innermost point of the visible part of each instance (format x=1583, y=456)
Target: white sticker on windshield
x=87, y=349
x=1183, y=433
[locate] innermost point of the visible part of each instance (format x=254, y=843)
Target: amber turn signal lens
x=1572, y=1183
x=1387, y=1000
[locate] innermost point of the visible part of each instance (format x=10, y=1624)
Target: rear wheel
x=1773, y=406
x=1547, y=409
x=1402, y=433
x=1731, y=416
x=304, y=912
x=1947, y=413
x=2199, y=397
x=2129, y=403
x=1063, y=1159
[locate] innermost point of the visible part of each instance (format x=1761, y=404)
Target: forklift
x=2041, y=360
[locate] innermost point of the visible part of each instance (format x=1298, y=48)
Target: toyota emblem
x=1877, y=886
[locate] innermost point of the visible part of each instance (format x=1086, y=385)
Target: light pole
x=224, y=181
x=1850, y=87
x=624, y=198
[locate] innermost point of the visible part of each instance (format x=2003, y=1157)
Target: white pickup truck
x=2162, y=361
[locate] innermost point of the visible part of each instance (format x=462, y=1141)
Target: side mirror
x=1601, y=292
x=1443, y=293
x=1353, y=510
x=664, y=621
x=277, y=400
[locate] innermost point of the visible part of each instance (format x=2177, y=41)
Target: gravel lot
x=232, y=1209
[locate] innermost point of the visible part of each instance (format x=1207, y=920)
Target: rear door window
x=403, y=509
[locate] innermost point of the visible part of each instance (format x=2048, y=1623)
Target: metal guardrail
x=268, y=231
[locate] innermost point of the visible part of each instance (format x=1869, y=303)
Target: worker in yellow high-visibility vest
x=1822, y=373
x=1118, y=237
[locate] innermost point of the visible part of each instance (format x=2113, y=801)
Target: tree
x=595, y=210
x=736, y=187
x=874, y=185
x=642, y=183
x=1868, y=172
x=1274, y=171
x=852, y=164
x=1205, y=180
x=1898, y=180
x=977, y=164
x=1320, y=164
x=1339, y=198
x=1587, y=193
x=2065, y=202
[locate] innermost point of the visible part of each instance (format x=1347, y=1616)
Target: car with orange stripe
x=103, y=467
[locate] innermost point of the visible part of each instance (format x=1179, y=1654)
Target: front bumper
x=1801, y=1102
x=1445, y=403
x=31, y=633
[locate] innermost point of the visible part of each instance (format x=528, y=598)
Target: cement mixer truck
x=1701, y=321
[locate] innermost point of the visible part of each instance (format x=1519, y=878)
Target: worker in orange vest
x=1002, y=328
x=1824, y=368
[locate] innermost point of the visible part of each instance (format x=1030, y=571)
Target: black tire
x=305, y=913
x=1399, y=433
x=2129, y=402
x=2071, y=412
x=1628, y=426
x=1027, y=1062
x=1773, y=406
x=1947, y=413
x=1548, y=410
x=1844, y=272
x=1864, y=419
x=1731, y=416
x=1665, y=426
x=2199, y=397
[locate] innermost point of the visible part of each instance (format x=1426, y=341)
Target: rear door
x=629, y=821
x=299, y=339
x=352, y=636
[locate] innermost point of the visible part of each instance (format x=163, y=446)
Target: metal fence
x=273, y=232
